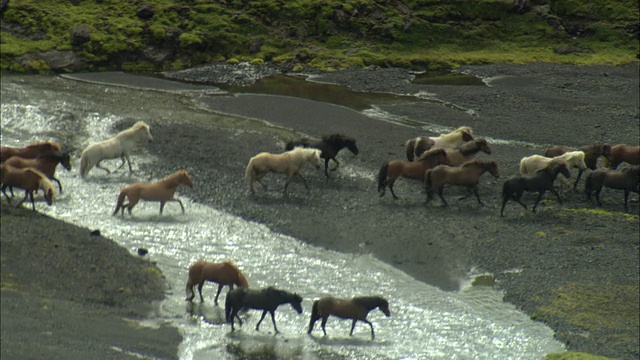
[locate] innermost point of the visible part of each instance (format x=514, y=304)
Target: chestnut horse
x=116, y=147
x=30, y=151
x=267, y=300
x=224, y=273
x=416, y=146
x=465, y=152
x=467, y=174
x=591, y=155
x=540, y=182
x=624, y=153
x=391, y=170
x=28, y=179
x=289, y=162
x=161, y=190
x=356, y=309
x=330, y=145
x=46, y=163
x=626, y=179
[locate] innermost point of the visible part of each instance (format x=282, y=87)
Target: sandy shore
x=573, y=266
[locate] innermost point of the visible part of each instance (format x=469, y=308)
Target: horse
x=591, y=155
x=289, y=162
x=30, y=180
x=467, y=151
x=467, y=174
x=356, y=309
x=391, y=170
x=624, y=153
x=30, y=151
x=330, y=145
x=116, y=147
x=222, y=273
x=533, y=163
x=161, y=190
x=626, y=179
x=416, y=146
x=540, y=182
x=46, y=163
x=267, y=300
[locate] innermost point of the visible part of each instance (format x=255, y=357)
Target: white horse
x=532, y=164
x=416, y=146
x=116, y=147
x=289, y=162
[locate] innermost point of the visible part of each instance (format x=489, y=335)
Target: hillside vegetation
x=72, y=35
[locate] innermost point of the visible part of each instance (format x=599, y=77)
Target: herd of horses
x=449, y=159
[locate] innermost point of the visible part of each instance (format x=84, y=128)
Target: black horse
x=267, y=300
x=357, y=309
x=330, y=145
x=540, y=182
x=626, y=179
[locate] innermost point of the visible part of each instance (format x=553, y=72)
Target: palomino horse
x=624, y=153
x=416, y=146
x=533, y=163
x=467, y=174
x=224, y=273
x=28, y=179
x=540, y=182
x=330, y=145
x=289, y=163
x=267, y=300
x=46, y=163
x=356, y=309
x=467, y=151
x=161, y=190
x=116, y=147
x=30, y=151
x=391, y=170
x=626, y=179
x=591, y=155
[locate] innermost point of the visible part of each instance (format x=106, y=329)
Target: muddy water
x=425, y=322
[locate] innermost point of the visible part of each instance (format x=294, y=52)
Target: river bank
x=560, y=265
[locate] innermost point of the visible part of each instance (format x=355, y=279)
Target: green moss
x=601, y=212
x=572, y=355
x=153, y=271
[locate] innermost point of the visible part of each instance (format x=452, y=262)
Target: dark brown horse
x=329, y=146
x=29, y=179
x=591, y=155
x=30, y=151
x=624, y=153
x=467, y=174
x=224, y=273
x=626, y=179
x=46, y=163
x=355, y=309
x=467, y=151
x=391, y=170
x=267, y=300
x=416, y=146
x=540, y=182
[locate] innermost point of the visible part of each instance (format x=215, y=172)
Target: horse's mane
x=463, y=129
x=337, y=138
x=44, y=180
x=53, y=144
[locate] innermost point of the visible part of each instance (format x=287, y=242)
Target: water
x=426, y=322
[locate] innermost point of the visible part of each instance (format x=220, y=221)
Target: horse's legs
x=264, y=313
x=442, y=197
x=26, y=194
x=162, y=206
x=337, y=164
x=179, y=202
x=59, y=184
x=353, y=326
x=304, y=181
x=556, y=194
x=4, y=191
x=33, y=204
x=373, y=335
x=323, y=323
x=475, y=191
x=273, y=320
x=190, y=291
x=597, y=193
x=122, y=163
x=626, y=200
x=102, y=167
x=326, y=166
x=200, y=285
x=575, y=185
x=504, y=203
x=215, y=301
x=390, y=184
x=540, y=194
x=126, y=156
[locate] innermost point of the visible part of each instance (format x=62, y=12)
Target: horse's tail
x=523, y=167
x=290, y=145
x=248, y=172
x=428, y=183
x=227, y=308
x=314, y=315
x=242, y=280
x=382, y=177
x=121, y=197
x=410, y=149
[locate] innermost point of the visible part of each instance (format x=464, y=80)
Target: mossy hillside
x=325, y=34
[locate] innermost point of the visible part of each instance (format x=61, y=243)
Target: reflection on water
x=425, y=323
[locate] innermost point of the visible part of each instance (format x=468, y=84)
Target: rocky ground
x=571, y=265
